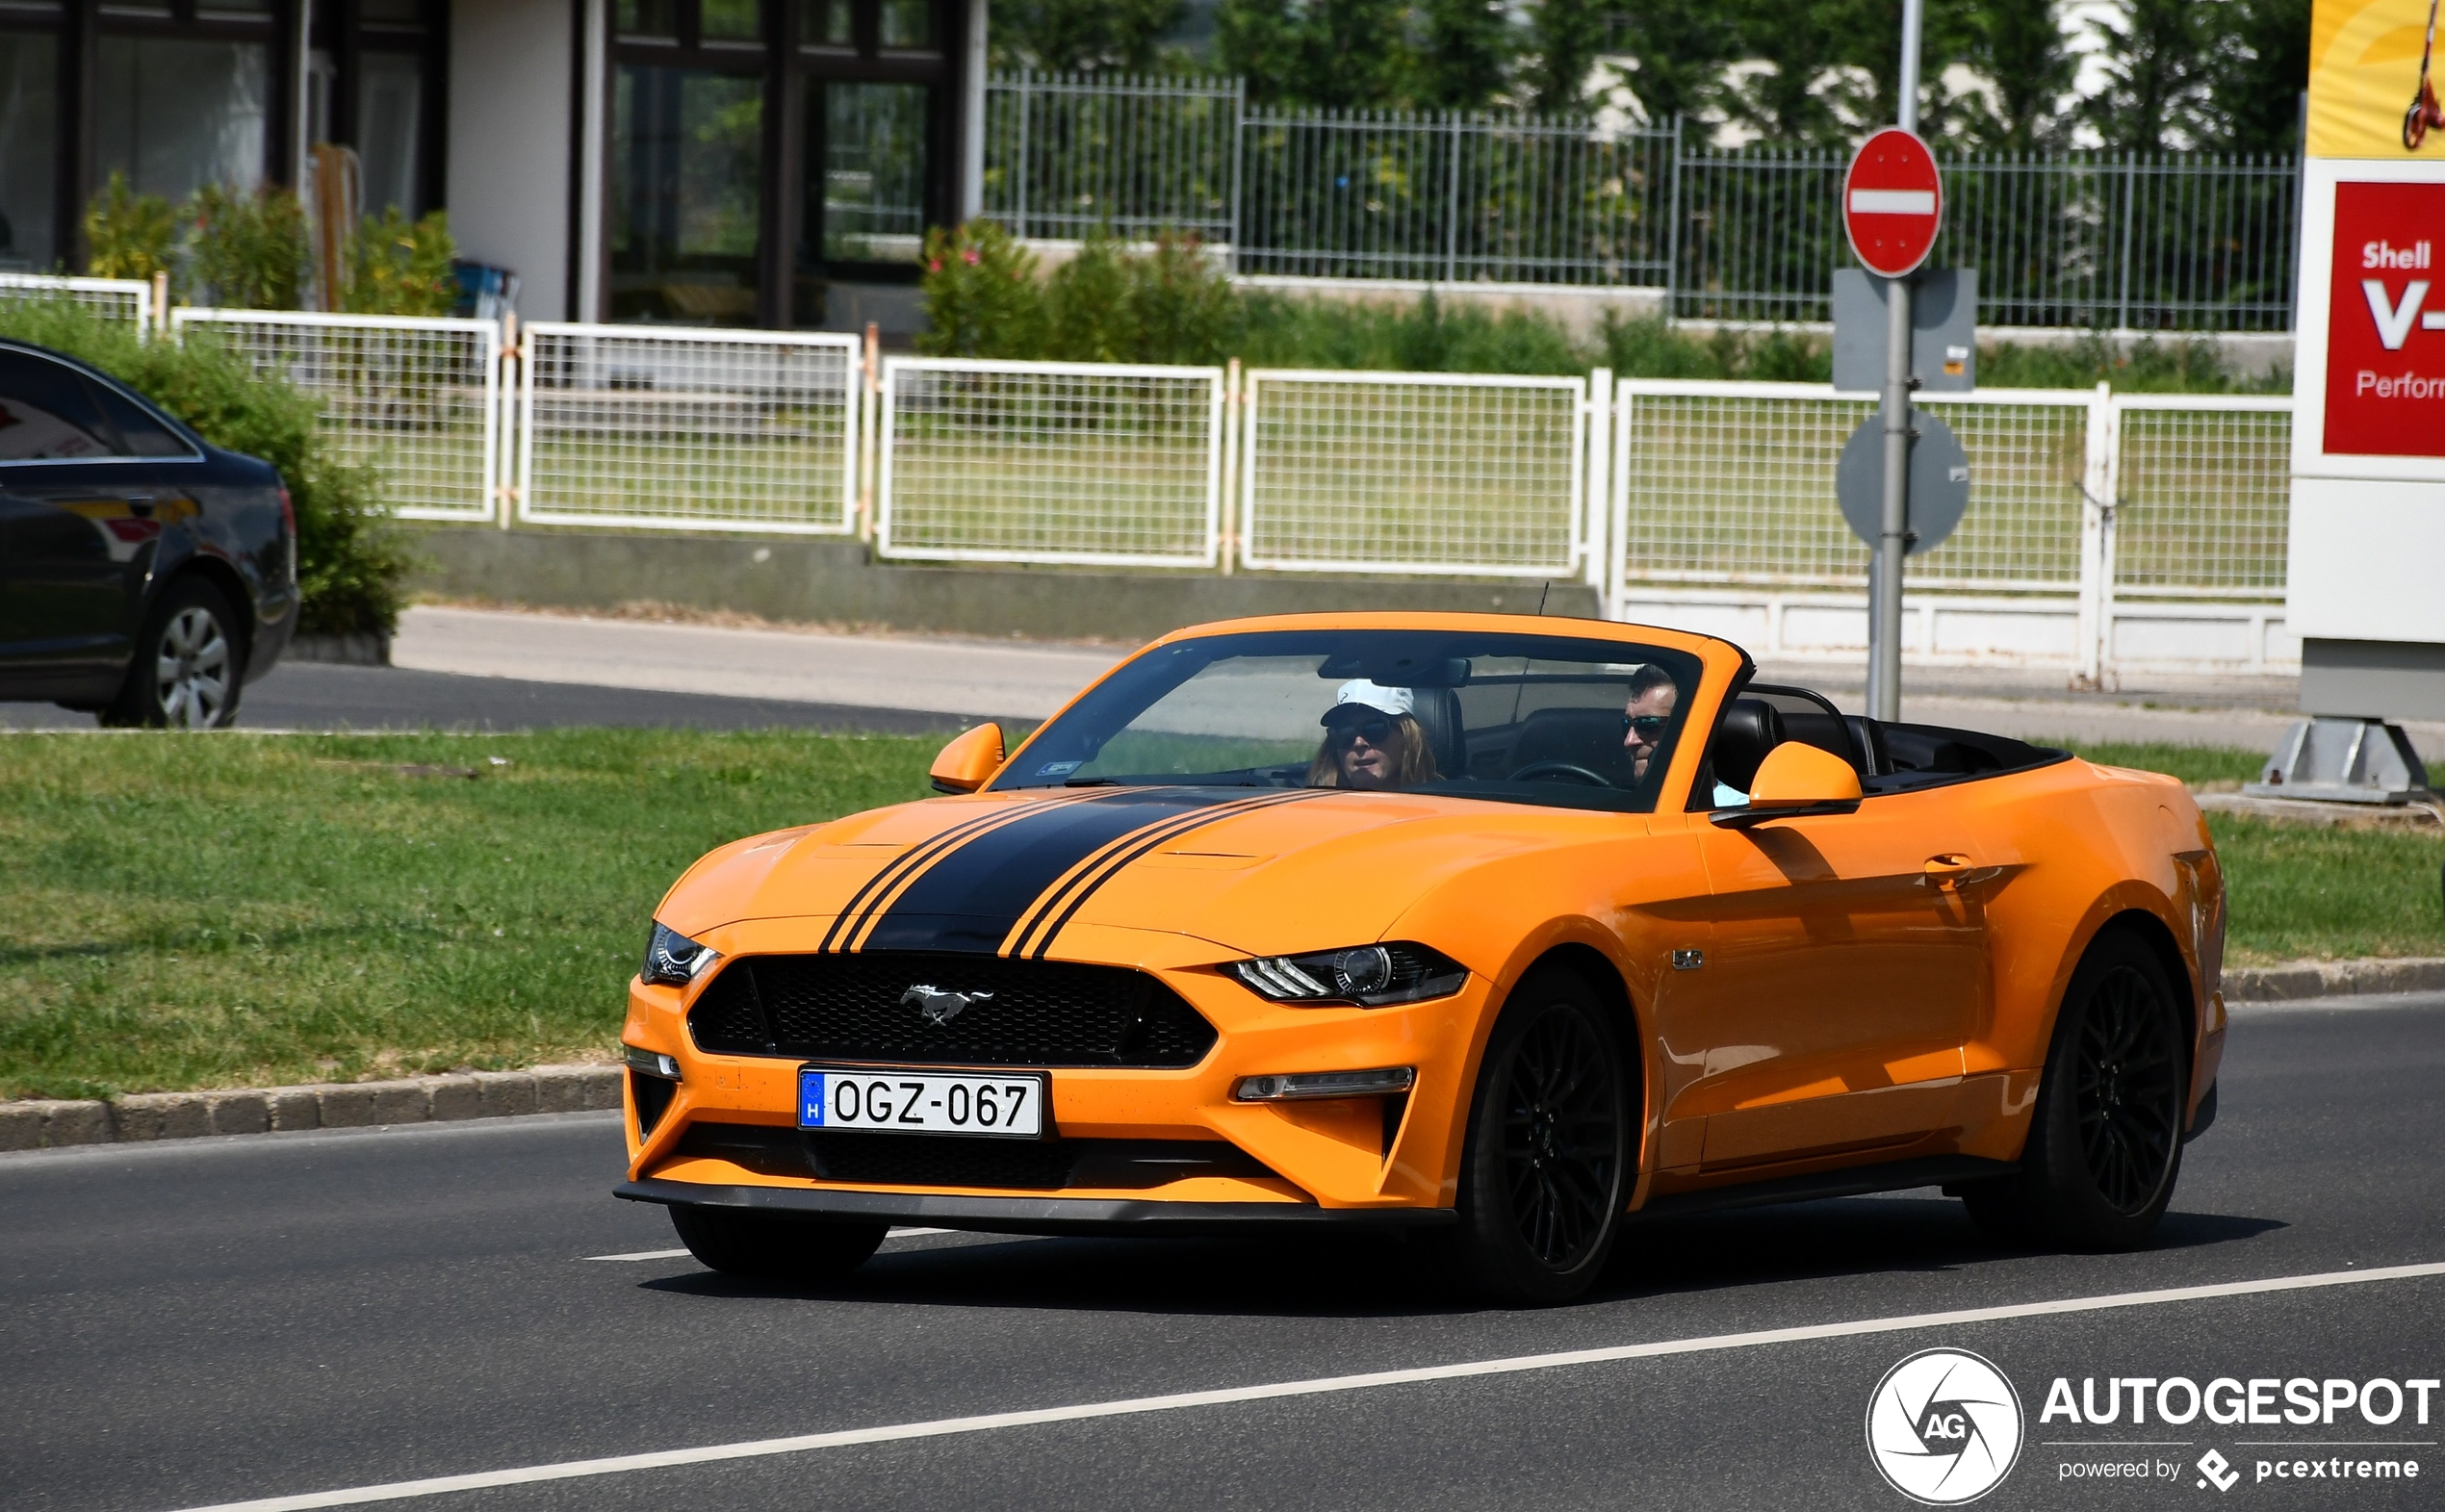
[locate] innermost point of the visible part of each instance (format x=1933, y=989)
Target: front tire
x=2105, y=1142
x=760, y=1247
x=1545, y=1171
x=188, y=665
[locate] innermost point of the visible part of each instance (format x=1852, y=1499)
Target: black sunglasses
x=1647, y=725
x=1376, y=728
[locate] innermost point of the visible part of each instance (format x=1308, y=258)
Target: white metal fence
x=1089, y=463
x=418, y=399
x=129, y=300
x=688, y=429
x=1445, y=474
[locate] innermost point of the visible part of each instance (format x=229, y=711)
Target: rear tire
x=2105, y=1142
x=189, y=663
x=760, y=1247
x=1545, y=1171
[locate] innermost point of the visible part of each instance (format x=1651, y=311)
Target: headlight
x=673, y=960
x=1369, y=976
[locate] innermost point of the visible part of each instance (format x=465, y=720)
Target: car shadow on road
x=1379, y=1276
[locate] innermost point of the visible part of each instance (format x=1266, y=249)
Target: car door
x=1844, y=968
x=78, y=517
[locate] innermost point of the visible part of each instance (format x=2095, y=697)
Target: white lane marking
x=664, y=1459
x=674, y=1254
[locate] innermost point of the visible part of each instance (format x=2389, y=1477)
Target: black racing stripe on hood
x=970, y=898
x=1056, y=914
x=860, y=906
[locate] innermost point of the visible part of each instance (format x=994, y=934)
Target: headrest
x=1748, y=729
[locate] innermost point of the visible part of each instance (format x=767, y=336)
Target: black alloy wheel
x=763, y=1246
x=2128, y=1090
x=188, y=665
x=2105, y=1139
x=1545, y=1173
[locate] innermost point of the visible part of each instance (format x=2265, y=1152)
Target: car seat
x=1589, y=737
x=1437, y=711
x=1748, y=729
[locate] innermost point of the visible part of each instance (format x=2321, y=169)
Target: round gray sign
x=1939, y=481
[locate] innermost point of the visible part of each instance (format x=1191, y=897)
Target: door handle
x=1947, y=870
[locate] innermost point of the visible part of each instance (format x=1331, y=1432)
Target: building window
x=686, y=165
x=827, y=23
x=908, y=25
x=29, y=156
x=389, y=122
x=730, y=21
x=872, y=148
x=174, y=114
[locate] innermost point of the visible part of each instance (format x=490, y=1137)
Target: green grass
x=239, y=909
x=224, y=910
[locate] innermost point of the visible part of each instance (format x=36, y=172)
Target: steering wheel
x=1550, y=769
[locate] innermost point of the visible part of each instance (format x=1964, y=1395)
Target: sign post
x=1893, y=206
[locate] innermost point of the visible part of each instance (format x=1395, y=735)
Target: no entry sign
x=1892, y=202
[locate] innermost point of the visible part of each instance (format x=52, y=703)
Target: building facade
x=758, y=163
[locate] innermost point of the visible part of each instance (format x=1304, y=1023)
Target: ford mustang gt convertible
x=1510, y=933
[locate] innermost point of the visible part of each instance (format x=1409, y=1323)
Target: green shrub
x=398, y=269
x=1184, y=308
x=2177, y=365
x=249, y=250
x=981, y=295
x=130, y=234
x=349, y=560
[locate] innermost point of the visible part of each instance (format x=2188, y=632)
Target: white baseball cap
x=1370, y=695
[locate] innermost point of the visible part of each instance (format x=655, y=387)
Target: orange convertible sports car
x=1505, y=931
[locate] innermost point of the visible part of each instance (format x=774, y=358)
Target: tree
x=2018, y=45
x=2156, y=72
x=1680, y=48
x=1565, y=36
x=1469, y=47
x=1800, y=41
x=1351, y=54
x=1082, y=36
x=2259, y=65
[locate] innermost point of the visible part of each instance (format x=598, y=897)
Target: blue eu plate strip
x=810, y=1096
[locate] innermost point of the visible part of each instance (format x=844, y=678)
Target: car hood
x=1264, y=871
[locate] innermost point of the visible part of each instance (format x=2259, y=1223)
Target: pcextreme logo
x=1944, y=1428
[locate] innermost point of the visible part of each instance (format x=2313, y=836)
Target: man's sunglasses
x=1377, y=730
x=1647, y=727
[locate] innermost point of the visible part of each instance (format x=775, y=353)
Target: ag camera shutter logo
x=1944, y=1428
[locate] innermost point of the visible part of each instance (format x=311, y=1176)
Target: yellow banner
x=2371, y=95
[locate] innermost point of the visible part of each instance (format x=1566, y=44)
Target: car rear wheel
x=1544, y=1173
x=2105, y=1144
x=762, y=1247
x=187, y=668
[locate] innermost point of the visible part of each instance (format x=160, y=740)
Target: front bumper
x=1032, y=1215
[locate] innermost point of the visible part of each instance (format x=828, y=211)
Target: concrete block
x=240, y=1113
x=503, y=1093
x=21, y=1125
x=450, y=1097
x=78, y=1122
x=294, y=1108
x=602, y=1086
x=401, y=1102
x=162, y=1115
x=560, y=1088
x=345, y=1106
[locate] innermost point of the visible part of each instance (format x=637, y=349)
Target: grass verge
x=235, y=909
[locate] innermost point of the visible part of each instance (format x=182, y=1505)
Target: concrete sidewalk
x=1031, y=679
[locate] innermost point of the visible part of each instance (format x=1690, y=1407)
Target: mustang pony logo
x=937, y=1007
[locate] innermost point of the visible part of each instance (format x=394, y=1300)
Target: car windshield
x=1537, y=719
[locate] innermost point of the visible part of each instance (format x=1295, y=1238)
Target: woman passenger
x=1372, y=740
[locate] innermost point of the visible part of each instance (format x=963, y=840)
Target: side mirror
x=968, y=761
x=1796, y=779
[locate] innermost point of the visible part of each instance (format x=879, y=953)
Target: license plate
x=1010, y=1106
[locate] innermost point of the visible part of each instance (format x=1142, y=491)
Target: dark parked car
x=145, y=574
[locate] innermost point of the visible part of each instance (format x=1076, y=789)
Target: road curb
x=37, y=1125
x=2305, y=979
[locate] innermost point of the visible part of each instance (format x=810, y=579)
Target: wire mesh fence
x=1412, y=473
x=1734, y=484
x=1095, y=464
x=2202, y=497
x=129, y=300
x=2174, y=242
x=417, y=399
x=732, y=430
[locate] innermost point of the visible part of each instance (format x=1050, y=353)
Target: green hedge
x=349, y=560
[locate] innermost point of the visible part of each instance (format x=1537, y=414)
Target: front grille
x=919, y=1160
x=1034, y=1012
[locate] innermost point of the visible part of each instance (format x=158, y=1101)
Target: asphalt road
x=213, y=1322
